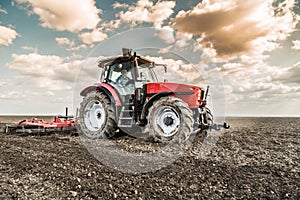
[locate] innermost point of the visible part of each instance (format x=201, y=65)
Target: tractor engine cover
x=192, y=95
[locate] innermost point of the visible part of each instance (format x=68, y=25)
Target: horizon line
x=52, y=115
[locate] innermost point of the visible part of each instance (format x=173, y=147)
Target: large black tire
x=206, y=119
x=97, y=117
x=209, y=119
x=170, y=119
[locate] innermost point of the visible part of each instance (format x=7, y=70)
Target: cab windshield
x=123, y=76
x=117, y=70
x=145, y=73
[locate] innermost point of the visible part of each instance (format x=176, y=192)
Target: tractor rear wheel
x=170, y=119
x=97, y=116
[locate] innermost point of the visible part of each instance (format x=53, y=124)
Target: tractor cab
x=127, y=73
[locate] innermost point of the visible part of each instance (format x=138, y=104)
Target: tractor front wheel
x=97, y=116
x=170, y=119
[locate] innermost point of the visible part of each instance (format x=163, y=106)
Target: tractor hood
x=153, y=88
x=192, y=95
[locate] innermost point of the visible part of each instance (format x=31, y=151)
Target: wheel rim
x=94, y=115
x=167, y=121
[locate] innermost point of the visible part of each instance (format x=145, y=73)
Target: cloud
x=63, y=41
x=70, y=15
x=252, y=81
x=90, y=37
x=51, y=72
x=177, y=70
x=120, y=5
x=183, y=39
x=14, y=95
x=147, y=11
x=2, y=83
x=264, y=91
x=289, y=75
x=2, y=10
x=296, y=45
x=174, y=39
x=258, y=90
x=76, y=48
x=166, y=33
x=49, y=93
x=52, y=67
x=111, y=25
x=247, y=66
x=235, y=27
x=31, y=49
x=7, y=35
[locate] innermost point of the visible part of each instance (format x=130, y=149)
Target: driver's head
x=124, y=72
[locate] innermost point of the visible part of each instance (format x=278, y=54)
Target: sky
x=250, y=48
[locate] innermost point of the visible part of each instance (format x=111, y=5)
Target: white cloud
x=183, y=36
x=264, y=91
x=111, y=25
x=39, y=77
x=258, y=82
x=90, y=37
x=51, y=72
x=166, y=33
x=147, y=11
x=288, y=75
x=296, y=45
x=70, y=15
x=75, y=48
x=28, y=48
x=49, y=66
x=177, y=71
x=247, y=66
x=183, y=39
x=2, y=10
x=2, y=83
x=120, y=5
x=7, y=35
x=63, y=41
x=49, y=93
x=236, y=27
x=13, y=95
x=250, y=79
x=258, y=91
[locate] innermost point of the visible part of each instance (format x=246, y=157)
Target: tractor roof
x=112, y=60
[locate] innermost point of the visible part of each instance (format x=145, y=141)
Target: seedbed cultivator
x=39, y=126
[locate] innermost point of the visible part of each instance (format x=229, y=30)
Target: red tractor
x=129, y=97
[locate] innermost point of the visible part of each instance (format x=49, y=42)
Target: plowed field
x=258, y=158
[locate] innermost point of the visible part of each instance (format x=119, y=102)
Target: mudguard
x=107, y=89
x=151, y=100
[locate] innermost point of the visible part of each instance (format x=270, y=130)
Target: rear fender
x=107, y=89
x=151, y=100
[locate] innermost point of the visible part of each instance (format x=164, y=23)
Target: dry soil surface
x=258, y=158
